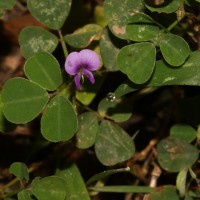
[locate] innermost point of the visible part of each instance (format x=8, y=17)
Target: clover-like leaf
x=174, y=49
x=59, y=121
x=137, y=61
x=34, y=39
x=175, y=154
x=51, y=187
x=23, y=100
x=51, y=13
x=113, y=145
x=44, y=69
x=20, y=170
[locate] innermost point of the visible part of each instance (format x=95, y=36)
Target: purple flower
x=80, y=64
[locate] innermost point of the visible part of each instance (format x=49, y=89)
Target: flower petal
x=77, y=79
x=89, y=59
x=89, y=75
x=73, y=63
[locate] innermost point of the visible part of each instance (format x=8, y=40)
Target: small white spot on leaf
x=168, y=79
x=141, y=29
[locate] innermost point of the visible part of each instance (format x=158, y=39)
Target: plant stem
x=171, y=26
x=12, y=182
x=182, y=4
x=180, y=15
x=64, y=47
